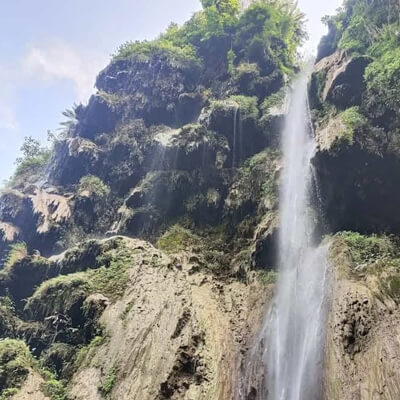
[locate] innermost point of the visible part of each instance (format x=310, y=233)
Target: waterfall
x=287, y=361
x=235, y=132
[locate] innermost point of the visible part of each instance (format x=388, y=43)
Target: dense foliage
x=267, y=33
x=32, y=162
x=360, y=22
x=370, y=29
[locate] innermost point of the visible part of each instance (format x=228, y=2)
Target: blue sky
x=51, y=52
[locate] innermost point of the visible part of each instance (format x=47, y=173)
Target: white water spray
x=290, y=347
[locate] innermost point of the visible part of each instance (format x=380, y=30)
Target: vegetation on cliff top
x=108, y=154
x=372, y=256
x=31, y=165
x=267, y=33
x=368, y=30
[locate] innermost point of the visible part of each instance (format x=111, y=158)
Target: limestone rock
x=342, y=79
x=73, y=158
x=158, y=88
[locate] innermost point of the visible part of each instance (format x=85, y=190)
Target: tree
x=31, y=148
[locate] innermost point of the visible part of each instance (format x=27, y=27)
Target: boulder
x=237, y=118
x=37, y=217
x=359, y=191
x=154, y=86
x=191, y=147
x=339, y=79
x=99, y=116
x=72, y=159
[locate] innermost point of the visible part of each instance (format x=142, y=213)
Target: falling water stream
x=287, y=361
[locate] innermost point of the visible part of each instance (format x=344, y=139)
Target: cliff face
x=137, y=256
x=353, y=97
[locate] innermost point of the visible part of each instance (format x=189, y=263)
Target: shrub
x=266, y=33
x=58, y=295
x=84, y=354
x=352, y=121
x=374, y=255
x=247, y=105
x=17, y=252
x=356, y=37
x=382, y=76
x=364, y=249
x=32, y=163
x=94, y=186
x=267, y=277
x=109, y=383
x=275, y=100
x=162, y=45
x=52, y=387
x=15, y=364
x=176, y=239
x=269, y=33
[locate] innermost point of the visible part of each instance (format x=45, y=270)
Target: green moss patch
x=86, y=353
x=67, y=292
x=256, y=184
x=247, y=106
x=207, y=249
x=352, y=120
x=17, y=252
x=359, y=256
x=109, y=382
x=15, y=364
x=176, y=239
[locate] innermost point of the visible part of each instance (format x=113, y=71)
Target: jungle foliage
x=268, y=33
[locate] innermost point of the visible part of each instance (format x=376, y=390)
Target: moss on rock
x=373, y=259
x=15, y=364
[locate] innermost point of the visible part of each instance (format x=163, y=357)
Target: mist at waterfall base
x=286, y=362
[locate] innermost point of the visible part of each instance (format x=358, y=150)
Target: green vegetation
x=15, y=364
x=52, y=387
x=85, y=354
x=207, y=250
x=32, y=163
x=247, y=105
x=358, y=23
x=108, y=385
x=176, y=239
x=267, y=33
x=94, y=186
x=368, y=32
x=275, y=100
x=352, y=121
x=377, y=256
x=147, y=49
x=364, y=249
x=8, y=393
x=383, y=74
x=59, y=294
x=267, y=277
x=17, y=252
x=113, y=279
x=356, y=37
x=260, y=174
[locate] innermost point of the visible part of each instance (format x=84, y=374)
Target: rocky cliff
x=353, y=95
x=138, y=254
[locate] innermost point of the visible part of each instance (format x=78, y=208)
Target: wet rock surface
x=363, y=347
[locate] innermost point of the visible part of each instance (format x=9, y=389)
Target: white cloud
x=42, y=64
x=56, y=60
